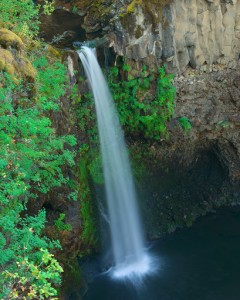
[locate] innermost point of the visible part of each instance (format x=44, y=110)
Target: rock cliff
x=180, y=33
x=177, y=33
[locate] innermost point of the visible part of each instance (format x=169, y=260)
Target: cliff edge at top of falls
x=177, y=33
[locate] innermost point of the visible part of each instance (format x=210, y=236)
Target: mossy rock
x=10, y=39
x=19, y=66
x=12, y=62
x=7, y=62
x=53, y=52
x=27, y=70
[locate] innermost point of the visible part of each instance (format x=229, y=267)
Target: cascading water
x=130, y=256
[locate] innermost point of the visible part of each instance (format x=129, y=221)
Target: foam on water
x=132, y=269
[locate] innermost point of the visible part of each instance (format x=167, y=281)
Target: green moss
x=53, y=52
x=97, y=10
x=18, y=65
x=88, y=234
x=28, y=70
x=95, y=168
x=10, y=39
x=151, y=8
x=6, y=61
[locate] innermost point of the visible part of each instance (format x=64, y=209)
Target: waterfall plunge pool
x=197, y=263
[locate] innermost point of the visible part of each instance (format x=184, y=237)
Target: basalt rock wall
x=181, y=33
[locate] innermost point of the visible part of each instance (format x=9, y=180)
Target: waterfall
x=130, y=257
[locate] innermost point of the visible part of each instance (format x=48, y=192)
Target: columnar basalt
x=181, y=33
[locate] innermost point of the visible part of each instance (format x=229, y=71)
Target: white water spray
x=126, y=234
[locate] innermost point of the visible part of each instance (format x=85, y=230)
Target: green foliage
x=75, y=10
x=31, y=161
x=22, y=16
x=61, y=225
x=30, y=150
x=85, y=114
x=185, y=123
x=31, y=270
x=95, y=168
x=140, y=112
x=88, y=234
x=89, y=164
x=50, y=76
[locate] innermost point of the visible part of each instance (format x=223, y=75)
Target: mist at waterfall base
x=197, y=263
x=131, y=260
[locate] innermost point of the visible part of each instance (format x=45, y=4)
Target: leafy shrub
x=140, y=112
x=61, y=225
x=185, y=123
x=31, y=270
x=31, y=161
x=22, y=16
